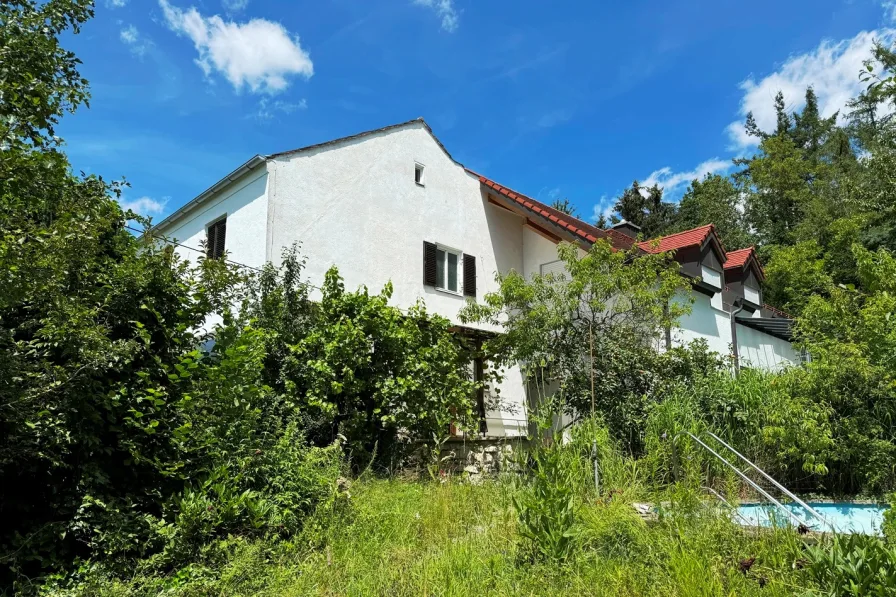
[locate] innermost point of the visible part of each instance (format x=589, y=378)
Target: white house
x=392, y=205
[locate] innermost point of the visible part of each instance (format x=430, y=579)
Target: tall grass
x=451, y=537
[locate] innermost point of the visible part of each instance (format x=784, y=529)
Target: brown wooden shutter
x=217, y=233
x=469, y=275
x=429, y=264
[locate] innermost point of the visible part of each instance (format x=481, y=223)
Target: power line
x=174, y=242
x=237, y=263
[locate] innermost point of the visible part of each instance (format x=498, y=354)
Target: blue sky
x=554, y=99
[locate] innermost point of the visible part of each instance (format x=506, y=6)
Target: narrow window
x=452, y=272
x=215, y=236
x=440, y=268
x=418, y=174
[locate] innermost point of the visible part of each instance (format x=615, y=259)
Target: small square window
x=418, y=174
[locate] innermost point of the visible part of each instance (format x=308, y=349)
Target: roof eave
x=240, y=171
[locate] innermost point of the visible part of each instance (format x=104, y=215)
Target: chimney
x=627, y=228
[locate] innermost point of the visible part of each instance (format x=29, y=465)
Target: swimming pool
x=846, y=517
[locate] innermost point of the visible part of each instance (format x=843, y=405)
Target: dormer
x=744, y=277
x=700, y=254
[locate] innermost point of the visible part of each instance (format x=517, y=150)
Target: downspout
x=736, y=308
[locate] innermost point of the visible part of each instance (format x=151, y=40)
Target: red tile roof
x=580, y=229
x=679, y=240
x=589, y=233
x=738, y=258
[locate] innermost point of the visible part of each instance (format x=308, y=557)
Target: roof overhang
x=779, y=327
x=245, y=168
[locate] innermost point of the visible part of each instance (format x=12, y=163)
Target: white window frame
x=418, y=167
x=459, y=273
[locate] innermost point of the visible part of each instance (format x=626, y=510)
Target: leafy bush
x=548, y=505
x=888, y=528
x=356, y=366
x=854, y=565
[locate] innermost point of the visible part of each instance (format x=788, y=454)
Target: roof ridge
x=689, y=230
x=381, y=129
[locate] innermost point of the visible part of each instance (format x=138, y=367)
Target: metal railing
x=783, y=489
x=790, y=514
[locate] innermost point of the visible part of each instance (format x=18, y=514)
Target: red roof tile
x=679, y=240
x=738, y=258
x=573, y=225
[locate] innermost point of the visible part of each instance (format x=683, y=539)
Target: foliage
x=566, y=206
x=39, y=80
x=888, y=528
x=714, y=200
x=785, y=432
x=854, y=565
x=456, y=538
x=644, y=207
x=585, y=330
x=358, y=367
x=547, y=509
x=852, y=340
x=794, y=274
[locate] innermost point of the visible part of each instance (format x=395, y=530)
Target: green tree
x=356, y=366
x=39, y=80
x=715, y=200
x=810, y=131
x=565, y=206
x=644, y=207
x=794, y=274
x=778, y=190
x=617, y=302
x=852, y=340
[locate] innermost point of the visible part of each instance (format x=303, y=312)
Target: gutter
x=247, y=167
x=736, y=308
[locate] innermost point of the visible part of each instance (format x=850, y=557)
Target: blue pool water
x=845, y=517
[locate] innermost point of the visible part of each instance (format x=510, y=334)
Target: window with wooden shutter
x=216, y=234
x=469, y=275
x=429, y=263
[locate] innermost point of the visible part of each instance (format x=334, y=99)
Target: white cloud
x=145, y=206
x=267, y=109
x=889, y=7
x=672, y=182
x=232, y=6
x=116, y=3
x=832, y=69
x=444, y=9
x=259, y=54
x=132, y=38
x=129, y=34
x=603, y=207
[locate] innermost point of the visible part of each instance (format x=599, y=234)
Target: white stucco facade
x=707, y=321
x=357, y=204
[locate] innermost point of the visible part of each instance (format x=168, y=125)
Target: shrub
x=888, y=528
x=856, y=565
